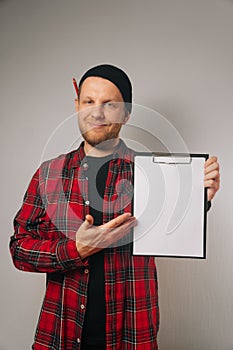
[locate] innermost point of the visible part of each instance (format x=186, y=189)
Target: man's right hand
x=91, y=239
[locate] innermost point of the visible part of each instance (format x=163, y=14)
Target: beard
x=102, y=138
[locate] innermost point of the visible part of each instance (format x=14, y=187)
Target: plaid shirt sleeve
x=33, y=247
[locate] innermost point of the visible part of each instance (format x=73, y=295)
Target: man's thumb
x=89, y=221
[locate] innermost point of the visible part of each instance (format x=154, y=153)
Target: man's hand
x=212, y=177
x=91, y=239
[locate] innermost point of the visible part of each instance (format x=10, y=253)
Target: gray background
x=179, y=56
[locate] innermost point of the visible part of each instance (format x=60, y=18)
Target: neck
x=101, y=150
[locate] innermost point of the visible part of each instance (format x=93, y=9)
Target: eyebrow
x=91, y=98
x=111, y=99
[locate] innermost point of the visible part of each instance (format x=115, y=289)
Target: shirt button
x=86, y=271
x=78, y=340
x=87, y=202
x=82, y=306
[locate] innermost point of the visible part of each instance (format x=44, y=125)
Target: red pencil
x=75, y=86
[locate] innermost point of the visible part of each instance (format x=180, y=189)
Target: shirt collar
x=121, y=152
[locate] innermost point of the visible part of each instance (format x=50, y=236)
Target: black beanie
x=117, y=76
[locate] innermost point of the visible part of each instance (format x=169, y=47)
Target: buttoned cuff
x=68, y=255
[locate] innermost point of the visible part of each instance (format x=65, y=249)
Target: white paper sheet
x=169, y=204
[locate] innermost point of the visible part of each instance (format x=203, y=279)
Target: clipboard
x=170, y=205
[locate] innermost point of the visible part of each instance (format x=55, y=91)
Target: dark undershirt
x=94, y=332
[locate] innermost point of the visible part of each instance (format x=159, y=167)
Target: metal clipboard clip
x=171, y=158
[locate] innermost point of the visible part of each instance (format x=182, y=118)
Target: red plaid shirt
x=54, y=206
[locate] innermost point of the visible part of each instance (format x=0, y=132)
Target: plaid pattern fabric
x=54, y=206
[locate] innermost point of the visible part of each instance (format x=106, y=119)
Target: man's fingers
x=114, y=234
x=211, y=164
x=126, y=225
x=123, y=228
x=212, y=175
x=212, y=184
x=212, y=167
x=117, y=221
x=211, y=160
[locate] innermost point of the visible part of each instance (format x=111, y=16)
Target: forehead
x=97, y=87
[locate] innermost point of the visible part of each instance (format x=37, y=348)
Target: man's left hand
x=212, y=177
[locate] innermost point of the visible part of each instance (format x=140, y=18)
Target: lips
x=96, y=126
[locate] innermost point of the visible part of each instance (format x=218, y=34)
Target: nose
x=98, y=112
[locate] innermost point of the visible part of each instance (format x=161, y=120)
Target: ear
x=126, y=117
x=76, y=104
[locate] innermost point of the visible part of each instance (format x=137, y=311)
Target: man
x=98, y=295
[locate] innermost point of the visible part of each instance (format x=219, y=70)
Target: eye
x=88, y=102
x=110, y=104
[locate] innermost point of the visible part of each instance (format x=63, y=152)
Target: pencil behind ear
x=77, y=92
x=76, y=86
